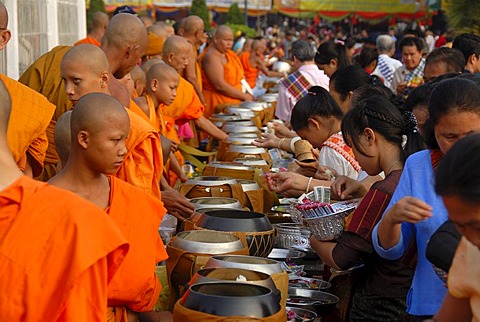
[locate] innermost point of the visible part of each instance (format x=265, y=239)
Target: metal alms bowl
x=248, y=149
x=229, y=165
x=207, y=242
x=215, y=203
x=308, y=283
x=282, y=67
x=259, y=264
x=301, y=315
x=211, y=181
x=248, y=185
x=283, y=255
x=251, y=161
x=320, y=302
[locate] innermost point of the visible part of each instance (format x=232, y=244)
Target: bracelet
x=292, y=143
x=308, y=185
x=280, y=143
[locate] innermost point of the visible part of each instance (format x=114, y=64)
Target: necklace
x=391, y=167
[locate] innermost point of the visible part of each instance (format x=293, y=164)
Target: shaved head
x=147, y=65
x=192, y=24
x=175, y=45
x=92, y=113
x=5, y=107
x=223, y=31
x=169, y=29
x=63, y=137
x=3, y=16
x=138, y=74
x=158, y=31
x=89, y=57
x=160, y=71
x=99, y=20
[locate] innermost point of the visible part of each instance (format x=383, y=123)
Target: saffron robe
x=56, y=258
x=138, y=215
x=250, y=72
x=88, y=40
x=186, y=106
x=232, y=73
x=29, y=118
x=143, y=164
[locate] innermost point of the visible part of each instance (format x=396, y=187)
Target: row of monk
x=73, y=119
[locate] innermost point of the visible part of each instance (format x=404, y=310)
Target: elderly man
x=222, y=72
x=410, y=74
x=296, y=85
x=386, y=64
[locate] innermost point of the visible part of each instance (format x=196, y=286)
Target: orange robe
x=56, y=257
x=186, y=106
x=232, y=73
x=88, y=40
x=138, y=215
x=143, y=164
x=251, y=73
x=30, y=115
x=198, y=67
x=44, y=77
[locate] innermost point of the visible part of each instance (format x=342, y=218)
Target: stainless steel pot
x=211, y=181
x=243, y=112
x=251, y=135
x=254, y=106
x=241, y=129
x=248, y=185
x=229, y=165
x=247, y=149
x=282, y=67
x=215, y=203
x=207, y=242
x=251, y=161
x=259, y=264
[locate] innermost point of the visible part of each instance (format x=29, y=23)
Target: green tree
x=463, y=15
x=199, y=8
x=95, y=6
x=234, y=15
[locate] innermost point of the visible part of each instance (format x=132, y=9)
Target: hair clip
x=312, y=93
x=338, y=41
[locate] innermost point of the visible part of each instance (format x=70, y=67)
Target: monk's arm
x=263, y=68
x=215, y=73
x=207, y=126
x=191, y=76
x=175, y=167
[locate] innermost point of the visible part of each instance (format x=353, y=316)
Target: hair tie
x=312, y=93
x=410, y=122
x=338, y=41
x=404, y=141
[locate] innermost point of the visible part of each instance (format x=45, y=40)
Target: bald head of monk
x=179, y=26
x=84, y=69
x=258, y=47
x=63, y=137
x=124, y=43
x=99, y=126
x=195, y=30
x=99, y=22
x=223, y=39
x=147, y=65
x=162, y=83
x=139, y=80
x=170, y=30
x=5, y=34
x=176, y=51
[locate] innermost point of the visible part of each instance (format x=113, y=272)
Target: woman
x=367, y=59
x=331, y=56
x=458, y=182
x=415, y=210
x=381, y=139
x=317, y=119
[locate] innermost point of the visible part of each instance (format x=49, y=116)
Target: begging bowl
x=320, y=302
x=295, y=314
x=285, y=255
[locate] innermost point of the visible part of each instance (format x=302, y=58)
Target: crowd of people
x=97, y=128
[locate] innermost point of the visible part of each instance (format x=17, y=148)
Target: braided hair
x=382, y=116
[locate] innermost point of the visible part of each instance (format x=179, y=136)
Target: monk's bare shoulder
x=142, y=103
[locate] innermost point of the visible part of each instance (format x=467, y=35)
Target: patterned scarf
x=296, y=84
x=385, y=69
x=417, y=72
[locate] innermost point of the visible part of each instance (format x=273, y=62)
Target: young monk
x=29, y=118
x=57, y=257
x=84, y=70
x=139, y=81
x=99, y=127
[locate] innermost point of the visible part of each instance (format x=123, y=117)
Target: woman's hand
x=288, y=184
x=347, y=188
x=308, y=169
x=282, y=131
x=408, y=209
x=268, y=141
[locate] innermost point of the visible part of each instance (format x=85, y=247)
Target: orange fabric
x=138, y=215
x=56, y=258
x=186, y=106
x=251, y=73
x=44, y=77
x=137, y=110
x=232, y=73
x=88, y=40
x=30, y=115
x=143, y=165
x=155, y=44
x=117, y=314
x=198, y=68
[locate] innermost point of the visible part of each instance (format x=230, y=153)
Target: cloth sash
x=337, y=143
x=417, y=72
x=182, y=265
x=183, y=314
x=296, y=84
x=117, y=314
x=386, y=70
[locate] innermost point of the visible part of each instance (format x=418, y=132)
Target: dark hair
x=454, y=94
x=349, y=78
x=419, y=96
x=459, y=174
x=350, y=42
x=366, y=91
x=366, y=57
x=318, y=102
x=302, y=50
x=379, y=114
x=452, y=58
x=411, y=41
x=468, y=44
x=330, y=50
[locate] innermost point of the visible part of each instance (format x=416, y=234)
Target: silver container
x=248, y=185
x=254, y=106
x=229, y=165
x=240, y=122
x=282, y=67
x=241, y=141
x=215, y=203
x=293, y=235
x=302, y=315
x=226, y=117
x=241, y=129
x=211, y=181
x=320, y=302
x=269, y=98
x=251, y=161
x=328, y=227
x=207, y=242
x=259, y=264
x=243, y=112
x=247, y=149
x=285, y=255
x=308, y=283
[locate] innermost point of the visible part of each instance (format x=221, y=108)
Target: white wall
x=37, y=26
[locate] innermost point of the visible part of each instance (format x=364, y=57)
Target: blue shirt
x=427, y=290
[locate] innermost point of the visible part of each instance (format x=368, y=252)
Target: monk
x=253, y=63
x=139, y=81
x=194, y=33
x=168, y=28
x=186, y=105
x=156, y=38
x=162, y=83
x=99, y=126
x=29, y=117
x=124, y=43
x=222, y=72
x=98, y=25
x=85, y=69
x=146, y=66
x=57, y=257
